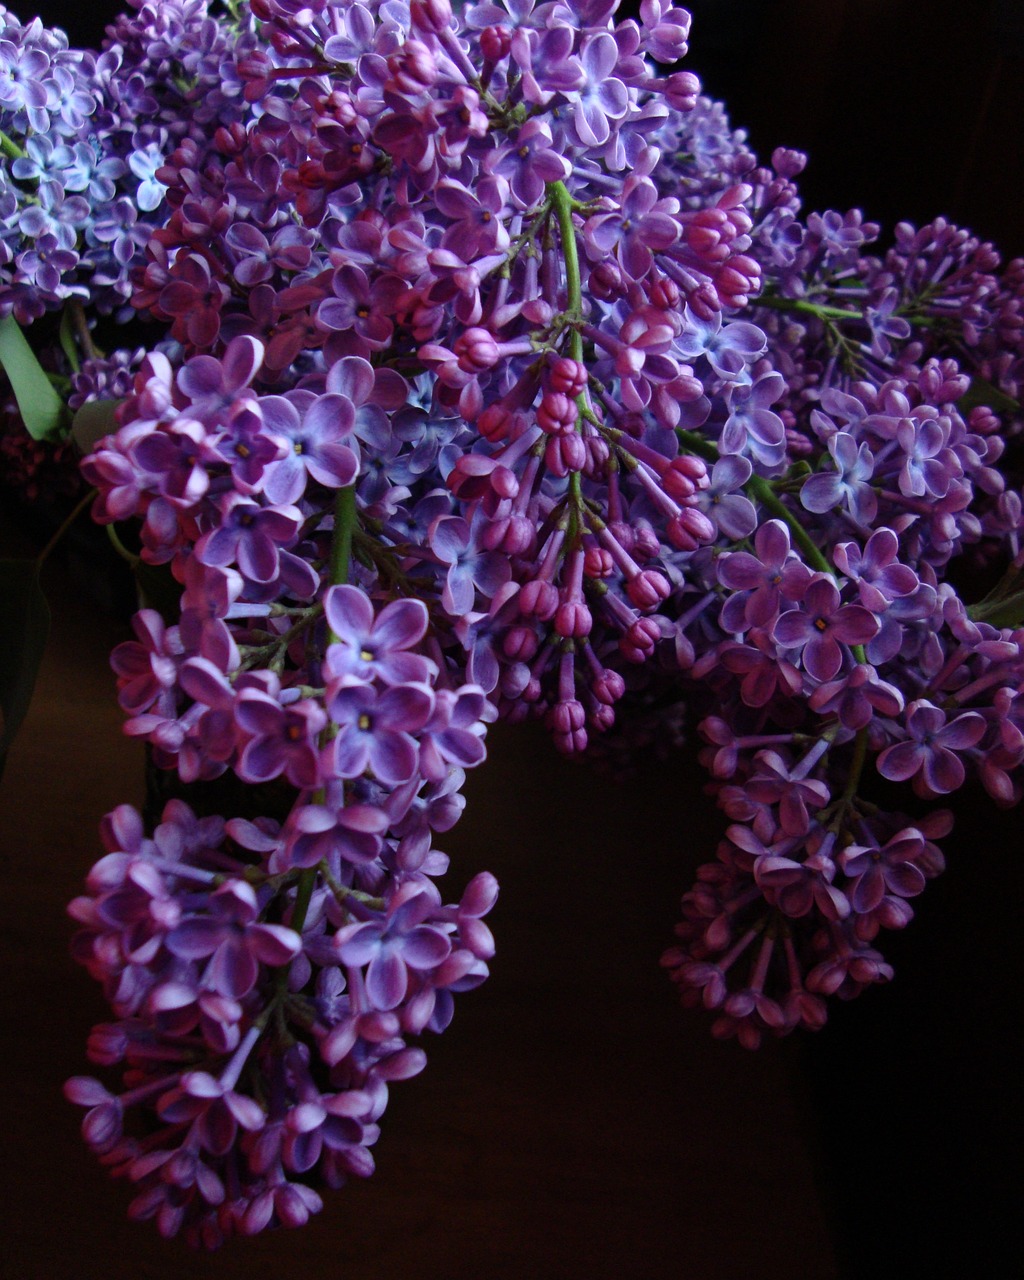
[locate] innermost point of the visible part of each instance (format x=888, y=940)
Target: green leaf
x=43, y=411
x=24, y=627
x=92, y=422
x=67, y=338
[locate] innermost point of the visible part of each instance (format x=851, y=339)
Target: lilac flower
x=392, y=947
x=316, y=431
x=368, y=646
x=892, y=868
x=235, y=943
x=374, y=730
x=763, y=581
x=279, y=739
x=848, y=486
x=455, y=543
x=822, y=626
x=928, y=754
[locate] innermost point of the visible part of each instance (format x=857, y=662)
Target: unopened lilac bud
x=564, y=454
x=495, y=43
x=602, y=717
x=573, y=620
x=623, y=533
x=605, y=281
x=567, y=376
x=665, y=294
x=609, y=687
x=788, y=163
x=567, y=716
x=646, y=545
x=520, y=643
x=598, y=563
x=538, y=599
x=648, y=589
x=476, y=351
x=519, y=536
x=598, y=453
x=494, y=422
x=688, y=530
x=431, y=16
x=640, y=640
x=413, y=69
x=556, y=414
x=684, y=476
x=681, y=89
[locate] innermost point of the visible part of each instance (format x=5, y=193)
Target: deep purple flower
x=392, y=947
x=821, y=626
x=280, y=739
x=375, y=730
x=317, y=434
x=928, y=755
x=233, y=940
x=375, y=646
x=849, y=485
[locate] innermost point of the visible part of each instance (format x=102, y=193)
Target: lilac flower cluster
x=499, y=378
x=85, y=135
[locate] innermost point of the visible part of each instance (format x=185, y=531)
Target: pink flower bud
x=573, y=620
x=495, y=43
x=567, y=376
x=476, y=351
x=598, y=563
x=689, y=529
x=431, y=16
x=564, y=454
x=538, y=599
x=648, y=589
x=556, y=414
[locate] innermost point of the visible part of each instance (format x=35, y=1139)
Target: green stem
x=760, y=489
x=64, y=527
x=81, y=327
x=10, y=148
x=128, y=556
x=562, y=203
x=818, y=309
x=344, y=529
x=345, y=515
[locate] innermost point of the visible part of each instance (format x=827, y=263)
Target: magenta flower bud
x=666, y=294
x=556, y=414
x=681, y=89
x=476, y=351
x=567, y=716
x=570, y=743
x=413, y=68
x=495, y=43
x=608, y=688
x=598, y=563
x=647, y=590
x=564, y=454
x=684, y=476
x=431, y=16
x=520, y=643
x=567, y=376
x=538, y=599
x=573, y=620
x=689, y=529
x=646, y=545
x=494, y=422
x=605, y=281
x=640, y=639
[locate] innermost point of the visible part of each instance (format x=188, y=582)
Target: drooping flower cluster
x=498, y=377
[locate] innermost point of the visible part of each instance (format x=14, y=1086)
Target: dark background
x=906, y=1110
